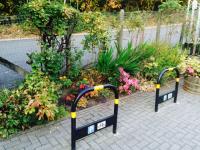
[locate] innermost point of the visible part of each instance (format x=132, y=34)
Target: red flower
x=82, y=86
x=70, y=97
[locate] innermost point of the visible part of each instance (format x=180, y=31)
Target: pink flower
x=121, y=88
x=190, y=70
x=129, y=92
x=126, y=87
x=123, y=73
x=128, y=82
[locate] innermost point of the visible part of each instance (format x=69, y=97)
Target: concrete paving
x=174, y=127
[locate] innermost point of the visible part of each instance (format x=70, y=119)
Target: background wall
x=16, y=50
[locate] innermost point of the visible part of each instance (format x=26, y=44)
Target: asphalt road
x=15, y=51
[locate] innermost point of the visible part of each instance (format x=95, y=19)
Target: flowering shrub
x=88, y=78
x=191, y=67
x=128, y=83
x=78, y=87
x=33, y=103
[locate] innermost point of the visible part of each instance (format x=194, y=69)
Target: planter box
x=192, y=84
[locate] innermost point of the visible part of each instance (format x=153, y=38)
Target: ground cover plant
x=164, y=56
x=32, y=103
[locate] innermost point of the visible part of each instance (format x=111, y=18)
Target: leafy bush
x=128, y=58
x=48, y=61
x=54, y=20
x=96, y=25
x=33, y=103
x=51, y=18
x=165, y=56
x=41, y=95
x=10, y=114
x=170, y=6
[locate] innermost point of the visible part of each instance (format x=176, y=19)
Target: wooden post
x=158, y=27
x=196, y=36
x=120, y=35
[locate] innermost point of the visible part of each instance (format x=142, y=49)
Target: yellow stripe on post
x=99, y=87
x=116, y=101
x=157, y=86
x=177, y=79
x=73, y=115
x=170, y=69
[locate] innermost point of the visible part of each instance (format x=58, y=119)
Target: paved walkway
x=174, y=127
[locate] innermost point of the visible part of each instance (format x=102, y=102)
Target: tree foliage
x=50, y=18
x=10, y=6
x=55, y=21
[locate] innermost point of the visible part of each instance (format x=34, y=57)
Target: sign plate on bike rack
x=166, y=96
x=78, y=133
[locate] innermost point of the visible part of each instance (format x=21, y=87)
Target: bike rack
x=167, y=96
x=78, y=133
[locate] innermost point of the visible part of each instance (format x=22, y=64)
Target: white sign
x=101, y=125
x=165, y=98
x=91, y=129
x=169, y=95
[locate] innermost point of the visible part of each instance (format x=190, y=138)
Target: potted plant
x=191, y=70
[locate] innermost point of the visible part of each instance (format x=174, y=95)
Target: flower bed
x=57, y=75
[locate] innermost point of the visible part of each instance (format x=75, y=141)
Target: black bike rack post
x=167, y=96
x=78, y=133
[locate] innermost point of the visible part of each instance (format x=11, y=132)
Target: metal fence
x=9, y=20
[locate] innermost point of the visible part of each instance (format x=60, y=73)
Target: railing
x=11, y=20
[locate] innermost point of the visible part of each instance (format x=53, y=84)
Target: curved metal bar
x=90, y=89
x=82, y=93
x=166, y=70
x=160, y=99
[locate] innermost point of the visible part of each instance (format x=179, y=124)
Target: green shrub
x=33, y=103
x=128, y=58
x=54, y=20
x=170, y=6
x=48, y=60
x=165, y=56
x=51, y=18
